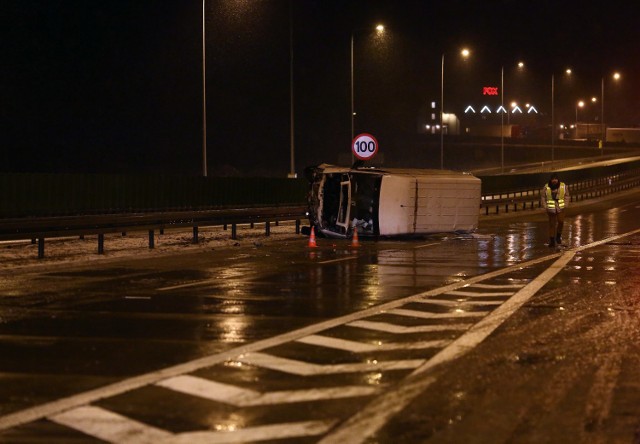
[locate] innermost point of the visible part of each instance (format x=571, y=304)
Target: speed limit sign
x=364, y=146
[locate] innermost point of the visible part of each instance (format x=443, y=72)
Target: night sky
x=116, y=86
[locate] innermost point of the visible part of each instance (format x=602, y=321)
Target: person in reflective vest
x=555, y=197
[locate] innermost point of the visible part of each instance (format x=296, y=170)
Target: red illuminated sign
x=489, y=90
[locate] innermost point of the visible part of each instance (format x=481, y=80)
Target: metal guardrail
x=579, y=191
x=38, y=229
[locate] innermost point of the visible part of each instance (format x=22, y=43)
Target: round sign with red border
x=364, y=146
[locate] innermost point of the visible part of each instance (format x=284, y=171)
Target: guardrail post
x=267, y=229
x=101, y=243
x=234, y=231
x=151, y=239
x=297, y=226
x=40, y=247
x=194, y=240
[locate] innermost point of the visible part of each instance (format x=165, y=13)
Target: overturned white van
x=391, y=201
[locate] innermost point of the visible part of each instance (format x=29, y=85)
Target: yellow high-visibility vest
x=551, y=202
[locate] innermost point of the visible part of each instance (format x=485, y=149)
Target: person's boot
x=558, y=239
x=552, y=242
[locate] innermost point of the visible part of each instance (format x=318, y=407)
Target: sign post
x=364, y=146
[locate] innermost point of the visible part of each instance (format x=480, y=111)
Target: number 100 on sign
x=365, y=146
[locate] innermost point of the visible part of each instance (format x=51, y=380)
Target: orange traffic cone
x=354, y=240
x=312, y=238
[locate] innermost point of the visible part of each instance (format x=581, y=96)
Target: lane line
x=331, y=261
x=449, y=303
x=401, y=329
x=360, y=347
x=241, y=397
x=43, y=410
x=303, y=368
x=216, y=280
x=498, y=286
x=479, y=294
x=110, y=426
x=426, y=245
x=255, y=434
x=429, y=315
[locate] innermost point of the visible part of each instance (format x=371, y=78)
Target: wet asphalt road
x=493, y=337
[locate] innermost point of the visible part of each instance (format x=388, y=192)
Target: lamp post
x=502, y=119
x=380, y=29
x=292, y=166
x=204, y=96
x=580, y=104
x=520, y=68
x=553, y=121
x=616, y=77
x=465, y=53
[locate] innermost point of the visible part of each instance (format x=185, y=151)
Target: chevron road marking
x=115, y=428
x=301, y=368
x=109, y=426
x=255, y=434
x=478, y=294
x=496, y=286
x=359, y=347
x=241, y=397
x=400, y=329
x=427, y=315
x=448, y=303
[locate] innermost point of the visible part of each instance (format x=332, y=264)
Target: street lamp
x=465, y=54
x=567, y=72
x=520, y=67
x=204, y=97
x=580, y=104
x=616, y=76
x=379, y=29
x=292, y=165
x=502, y=119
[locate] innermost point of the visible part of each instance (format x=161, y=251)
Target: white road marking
x=450, y=303
x=401, y=329
x=115, y=428
x=254, y=434
x=241, y=397
x=496, y=286
x=359, y=347
x=190, y=284
x=479, y=294
x=302, y=368
x=330, y=261
x=109, y=426
x=428, y=315
x=426, y=245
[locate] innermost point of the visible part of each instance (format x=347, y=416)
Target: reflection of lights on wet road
x=373, y=378
x=232, y=330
